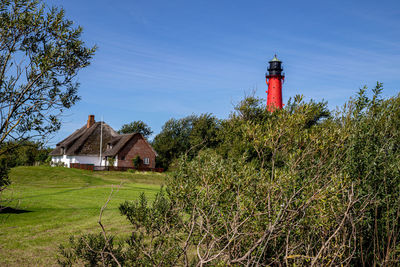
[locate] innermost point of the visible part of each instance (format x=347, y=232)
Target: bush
x=111, y=161
x=136, y=162
x=310, y=188
x=95, y=250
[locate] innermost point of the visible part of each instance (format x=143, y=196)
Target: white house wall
x=67, y=160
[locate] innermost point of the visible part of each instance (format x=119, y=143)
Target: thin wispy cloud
x=158, y=60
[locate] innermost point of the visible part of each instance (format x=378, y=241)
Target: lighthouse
x=274, y=78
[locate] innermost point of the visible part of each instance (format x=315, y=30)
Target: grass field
x=53, y=203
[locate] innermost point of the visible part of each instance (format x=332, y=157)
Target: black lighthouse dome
x=275, y=67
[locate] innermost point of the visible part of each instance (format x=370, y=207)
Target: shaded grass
x=63, y=202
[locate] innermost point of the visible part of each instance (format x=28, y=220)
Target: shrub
x=311, y=188
x=111, y=161
x=136, y=161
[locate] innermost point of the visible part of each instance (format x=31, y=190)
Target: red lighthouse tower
x=274, y=79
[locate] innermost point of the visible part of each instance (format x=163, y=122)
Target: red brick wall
x=137, y=146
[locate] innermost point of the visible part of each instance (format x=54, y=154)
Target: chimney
x=90, y=121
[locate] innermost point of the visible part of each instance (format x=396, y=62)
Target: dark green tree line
x=27, y=153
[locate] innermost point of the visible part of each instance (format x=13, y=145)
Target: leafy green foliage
x=151, y=243
x=95, y=250
x=136, y=161
x=26, y=153
x=19, y=154
x=4, y=169
x=238, y=133
x=136, y=127
x=300, y=186
x=185, y=136
x=372, y=160
x=110, y=161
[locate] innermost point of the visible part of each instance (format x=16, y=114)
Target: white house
x=83, y=146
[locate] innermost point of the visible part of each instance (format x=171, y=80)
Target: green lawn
x=61, y=202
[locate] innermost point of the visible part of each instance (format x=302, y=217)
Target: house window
x=146, y=161
x=123, y=158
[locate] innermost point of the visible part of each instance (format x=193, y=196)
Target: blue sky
x=168, y=59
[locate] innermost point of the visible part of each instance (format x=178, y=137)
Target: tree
x=185, y=136
x=41, y=52
x=204, y=133
x=173, y=140
x=136, y=127
x=251, y=111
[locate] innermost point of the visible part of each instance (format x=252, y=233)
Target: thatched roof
x=85, y=141
x=118, y=142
